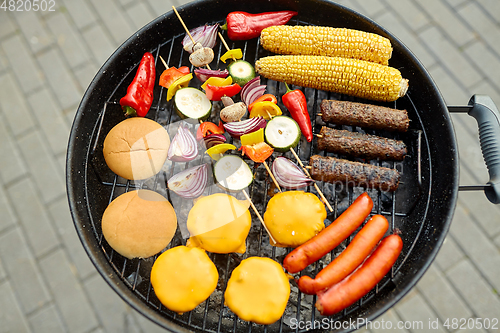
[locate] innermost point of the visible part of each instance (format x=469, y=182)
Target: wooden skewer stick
x=319, y=114
x=185, y=28
x=258, y=215
x=309, y=175
x=164, y=63
x=319, y=135
x=272, y=176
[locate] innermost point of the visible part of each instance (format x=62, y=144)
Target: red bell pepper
x=295, y=102
x=214, y=93
x=258, y=152
x=244, y=26
x=139, y=95
x=207, y=127
x=171, y=74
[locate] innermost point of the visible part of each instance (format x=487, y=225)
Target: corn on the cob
x=342, y=75
x=327, y=41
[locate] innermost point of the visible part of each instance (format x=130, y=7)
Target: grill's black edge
x=126, y=57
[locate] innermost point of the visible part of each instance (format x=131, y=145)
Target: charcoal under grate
x=103, y=186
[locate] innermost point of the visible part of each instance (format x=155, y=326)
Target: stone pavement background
x=47, y=60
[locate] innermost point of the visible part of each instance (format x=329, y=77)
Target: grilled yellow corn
x=327, y=41
x=342, y=75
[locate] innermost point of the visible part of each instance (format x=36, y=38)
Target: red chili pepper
x=207, y=127
x=214, y=93
x=139, y=95
x=244, y=26
x=258, y=152
x=295, y=102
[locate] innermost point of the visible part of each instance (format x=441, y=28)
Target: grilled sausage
x=364, y=115
x=335, y=170
x=360, y=145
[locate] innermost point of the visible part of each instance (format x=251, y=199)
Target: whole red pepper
x=244, y=26
x=295, y=102
x=139, y=95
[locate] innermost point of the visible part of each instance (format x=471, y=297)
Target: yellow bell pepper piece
x=183, y=277
x=232, y=54
x=216, y=151
x=217, y=81
x=294, y=217
x=178, y=84
x=219, y=223
x=258, y=290
x=265, y=109
x=252, y=138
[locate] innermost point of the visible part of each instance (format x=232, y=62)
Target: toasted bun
x=139, y=224
x=136, y=148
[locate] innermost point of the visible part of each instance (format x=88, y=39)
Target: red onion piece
x=183, y=147
x=238, y=128
x=213, y=140
x=288, y=174
x=206, y=35
x=203, y=74
x=252, y=90
x=189, y=183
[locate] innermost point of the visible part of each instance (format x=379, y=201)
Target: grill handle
x=483, y=109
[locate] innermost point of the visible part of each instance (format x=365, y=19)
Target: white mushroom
x=201, y=56
x=233, y=112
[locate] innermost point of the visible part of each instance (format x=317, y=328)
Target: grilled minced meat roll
x=342, y=75
x=364, y=115
x=360, y=145
x=335, y=170
x=326, y=41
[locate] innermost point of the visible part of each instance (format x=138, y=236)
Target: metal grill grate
x=212, y=315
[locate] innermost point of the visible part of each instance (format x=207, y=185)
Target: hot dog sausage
x=359, y=283
x=355, y=253
x=331, y=236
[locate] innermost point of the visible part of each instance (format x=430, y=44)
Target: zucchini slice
x=241, y=71
x=232, y=173
x=282, y=133
x=192, y=103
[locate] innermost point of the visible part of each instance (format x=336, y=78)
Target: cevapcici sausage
x=355, y=253
x=328, y=239
x=364, y=115
x=360, y=145
x=335, y=170
x=359, y=283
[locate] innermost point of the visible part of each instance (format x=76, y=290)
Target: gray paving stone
x=11, y=164
x=416, y=311
x=69, y=41
x=409, y=12
x=33, y=30
x=488, y=87
x=392, y=23
x=4, y=63
x=80, y=12
x=68, y=293
x=486, y=61
x=60, y=79
x=371, y=8
x=3, y=273
x=100, y=44
x=60, y=214
x=11, y=316
x=350, y=4
x=41, y=165
x=456, y=3
x=490, y=6
x=21, y=61
x=51, y=120
x=145, y=324
x=452, y=93
x=478, y=294
x=450, y=56
x=85, y=74
x=24, y=275
x=477, y=246
x=33, y=217
x=388, y=317
x=111, y=310
x=438, y=291
x=47, y=320
x=117, y=25
x=6, y=25
x=7, y=215
x=449, y=254
x=482, y=23
x=14, y=106
x=140, y=15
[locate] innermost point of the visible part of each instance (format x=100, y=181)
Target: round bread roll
x=136, y=148
x=139, y=224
